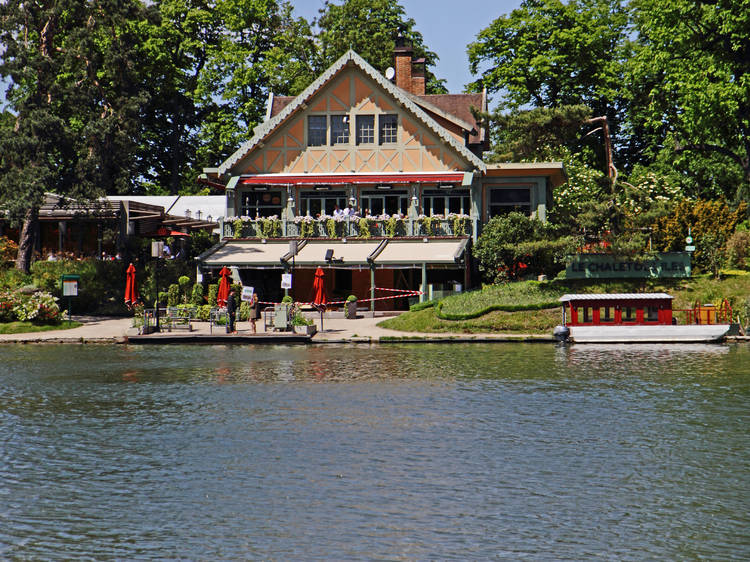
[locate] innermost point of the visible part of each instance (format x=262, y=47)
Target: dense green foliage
x=670, y=78
x=514, y=246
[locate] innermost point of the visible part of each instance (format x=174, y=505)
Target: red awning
x=329, y=179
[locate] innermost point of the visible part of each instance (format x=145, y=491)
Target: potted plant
x=302, y=325
x=350, y=311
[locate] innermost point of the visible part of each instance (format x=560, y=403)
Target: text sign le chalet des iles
x=606, y=266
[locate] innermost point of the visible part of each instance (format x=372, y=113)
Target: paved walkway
x=335, y=330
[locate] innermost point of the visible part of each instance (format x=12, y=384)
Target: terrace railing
x=354, y=227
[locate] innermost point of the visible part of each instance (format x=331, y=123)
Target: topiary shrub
x=196, y=295
x=213, y=293
x=184, y=282
x=173, y=295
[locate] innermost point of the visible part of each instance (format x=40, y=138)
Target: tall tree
x=371, y=27
x=550, y=54
x=76, y=100
x=213, y=64
x=691, y=89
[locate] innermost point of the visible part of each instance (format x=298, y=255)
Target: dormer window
x=316, y=130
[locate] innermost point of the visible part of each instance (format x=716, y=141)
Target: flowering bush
x=8, y=302
x=38, y=307
x=8, y=250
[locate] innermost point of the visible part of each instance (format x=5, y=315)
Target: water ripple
x=402, y=452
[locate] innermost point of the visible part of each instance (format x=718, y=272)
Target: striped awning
x=339, y=179
x=381, y=253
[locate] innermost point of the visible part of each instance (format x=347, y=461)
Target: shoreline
x=363, y=331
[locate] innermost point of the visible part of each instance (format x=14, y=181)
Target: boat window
x=606, y=314
x=586, y=314
x=652, y=314
x=628, y=314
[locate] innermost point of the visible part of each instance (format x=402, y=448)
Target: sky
x=447, y=27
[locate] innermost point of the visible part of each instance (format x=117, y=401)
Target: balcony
x=348, y=227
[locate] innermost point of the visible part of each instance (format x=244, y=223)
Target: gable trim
x=300, y=102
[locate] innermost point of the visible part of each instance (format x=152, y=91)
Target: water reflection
x=374, y=452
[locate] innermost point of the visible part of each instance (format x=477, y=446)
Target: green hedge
x=501, y=307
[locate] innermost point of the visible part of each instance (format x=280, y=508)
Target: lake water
x=391, y=452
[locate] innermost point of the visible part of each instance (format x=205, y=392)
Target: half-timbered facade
x=387, y=181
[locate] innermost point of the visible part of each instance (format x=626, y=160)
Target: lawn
x=478, y=309
x=27, y=327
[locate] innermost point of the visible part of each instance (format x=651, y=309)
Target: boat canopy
x=614, y=296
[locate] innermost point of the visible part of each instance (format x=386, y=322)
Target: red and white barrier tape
x=404, y=293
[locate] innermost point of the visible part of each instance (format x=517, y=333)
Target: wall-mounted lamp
x=352, y=201
x=209, y=218
x=187, y=213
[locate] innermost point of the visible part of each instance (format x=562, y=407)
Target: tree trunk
x=26, y=240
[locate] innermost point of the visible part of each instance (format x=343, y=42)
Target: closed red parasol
x=319, y=288
x=221, y=297
x=131, y=290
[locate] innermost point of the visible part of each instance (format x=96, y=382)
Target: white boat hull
x=685, y=333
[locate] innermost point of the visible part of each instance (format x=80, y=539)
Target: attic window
x=339, y=129
x=365, y=129
x=387, y=128
x=316, y=130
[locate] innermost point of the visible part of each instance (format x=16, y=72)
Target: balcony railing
x=347, y=227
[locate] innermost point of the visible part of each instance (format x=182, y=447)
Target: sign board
x=69, y=285
x=247, y=293
x=607, y=266
x=70, y=288
x=286, y=280
x=157, y=249
x=690, y=248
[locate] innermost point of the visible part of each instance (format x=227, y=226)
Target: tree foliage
x=513, y=246
x=690, y=79
x=370, y=28
x=548, y=53
x=76, y=94
x=214, y=63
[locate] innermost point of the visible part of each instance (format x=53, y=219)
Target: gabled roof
x=349, y=58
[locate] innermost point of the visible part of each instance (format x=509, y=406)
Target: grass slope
x=476, y=311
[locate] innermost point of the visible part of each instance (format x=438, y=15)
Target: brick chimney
x=418, y=77
x=403, y=53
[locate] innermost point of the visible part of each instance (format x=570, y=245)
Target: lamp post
x=157, y=248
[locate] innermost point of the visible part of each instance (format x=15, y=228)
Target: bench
x=179, y=318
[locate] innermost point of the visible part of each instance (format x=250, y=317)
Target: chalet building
x=378, y=183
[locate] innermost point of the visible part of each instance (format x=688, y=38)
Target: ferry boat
x=638, y=318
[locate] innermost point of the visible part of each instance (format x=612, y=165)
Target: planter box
x=305, y=330
x=350, y=310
